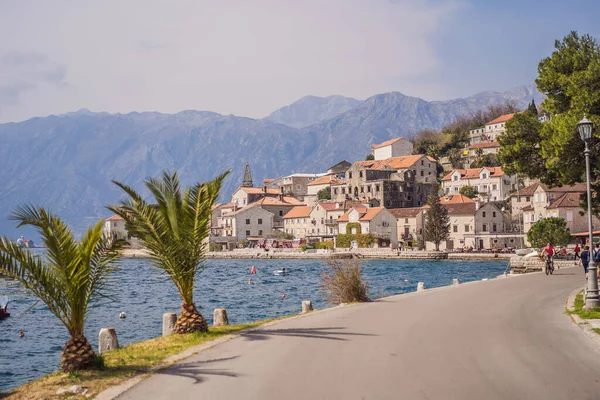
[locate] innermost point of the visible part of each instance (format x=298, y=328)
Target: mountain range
x=66, y=162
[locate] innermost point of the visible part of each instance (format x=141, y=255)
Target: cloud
x=234, y=56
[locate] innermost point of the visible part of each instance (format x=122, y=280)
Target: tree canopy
x=549, y=230
x=469, y=191
x=324, y=194
x=553, y=151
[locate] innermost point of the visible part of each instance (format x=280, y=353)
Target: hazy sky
x=253, y=56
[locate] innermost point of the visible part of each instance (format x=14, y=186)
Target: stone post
x=420, y=286
x=107, y=340
x=220, y=317
x=306, y=306
x=169, y=321
x=455, y=282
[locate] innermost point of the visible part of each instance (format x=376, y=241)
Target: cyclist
x=548, y=253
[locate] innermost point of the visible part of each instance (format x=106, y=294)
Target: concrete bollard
x=306, y=306
x=420, y=286
x=169, y=321
x=220, y=317
x=455, y=282
x=107, y=340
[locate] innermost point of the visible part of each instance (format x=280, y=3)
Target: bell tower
x=247, y=182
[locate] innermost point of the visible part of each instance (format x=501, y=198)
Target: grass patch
x=584, y=314
x=122, y=364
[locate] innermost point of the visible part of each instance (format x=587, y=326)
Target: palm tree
x=69, y=279
x=174, y=230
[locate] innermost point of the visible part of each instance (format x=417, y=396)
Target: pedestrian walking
x=577, y=250
x=585, y=259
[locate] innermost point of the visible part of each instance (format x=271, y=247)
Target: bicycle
x=549, y=267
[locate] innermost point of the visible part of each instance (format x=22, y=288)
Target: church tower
x=247, y=182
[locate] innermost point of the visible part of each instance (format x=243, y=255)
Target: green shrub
x=352, y=225
x=363, y=240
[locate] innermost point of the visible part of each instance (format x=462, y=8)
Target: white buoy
x=122, y=315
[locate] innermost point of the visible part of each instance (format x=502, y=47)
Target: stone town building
x=296, y=185
x=319, y=184
x=244, y=196
x=339, y=168
x=392, y=183
x=252, y=221
x=320, y=222
x=376, y=221
x=392, y=148
x=297, y=221
x=561, y=202
x=491, y=182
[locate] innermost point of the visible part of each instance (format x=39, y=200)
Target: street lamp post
x=592, y=299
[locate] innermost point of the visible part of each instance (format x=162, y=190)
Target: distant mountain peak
x=309, y=110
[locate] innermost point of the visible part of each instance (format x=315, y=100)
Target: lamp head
x=585, y=128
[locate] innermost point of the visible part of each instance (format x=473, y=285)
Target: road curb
x=583, y=324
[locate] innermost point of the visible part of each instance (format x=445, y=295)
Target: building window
x=369, y=189
x=360, y=174
x=494, y=214
x=455, y=178
x=362, y=189
x=298, y=186
x=422, y=173
x=247, y=233
x=244, y=201
x=377, y=188
x=350, y=175
x=493, y=227
x=527, y=199
x=570, y=216
x=494, y=187
x=335, y=191
x=406, y=220
x=260, y=221
x=422, y=162
x=281, y=213
x=485, y=187
x=247, y=221
x=484, y=228
x=259, y=233
x=455, y=228
x=483, y=214
x=466, y=228
x=343, y=190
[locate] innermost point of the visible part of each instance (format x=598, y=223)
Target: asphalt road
x=502, y=339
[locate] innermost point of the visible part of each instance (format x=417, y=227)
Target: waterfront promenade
x=507, y=338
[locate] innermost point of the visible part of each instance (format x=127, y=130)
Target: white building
x=114, y=227
x=249, y=222
x=490, y=182
x=376, y=221
x=392, y=148
x=490, y=132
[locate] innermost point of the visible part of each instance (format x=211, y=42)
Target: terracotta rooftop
x=244, y=209
x=298, y=212
x=409, y=212
x=473, y=173
x=526, y=191
x=455, y=199
x=274, y=201
x=330, y=205
x=253, y=190
x=500, y=119
x=461, y=208
x=484, y=145
x=402, y=162
x=332, y=179
x=567, y=200
x=528, y=208
x=366, y=214
x=115, y=218
x=386, y=143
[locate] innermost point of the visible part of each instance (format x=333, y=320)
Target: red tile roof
x=455, y=199
x=500, y=119
x=366, y=214
x=567, y=200
x=298, y=212
x=473, y=173
x=331, y=179
x=274, y=201
x=461, y=208
x=402, y=162
x=526, y=191
x=386, y=143
x=115, y=218
x=484, y=145
x=267, y=180
x=253, y=190
x=329, y=205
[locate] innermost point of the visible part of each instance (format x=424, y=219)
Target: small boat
x=3, y=307
x=281, y=272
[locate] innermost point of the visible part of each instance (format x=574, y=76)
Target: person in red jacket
x=577, y=250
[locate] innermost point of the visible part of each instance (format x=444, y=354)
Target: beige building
x=249, y=222
x=319, y=184
x=392, y=148
x=296, y=185
x=409, y=225
x=490, y=132
x=318, y=222
x=376, y=221
x=560, y=202
x=491, y=182
x=247, y=195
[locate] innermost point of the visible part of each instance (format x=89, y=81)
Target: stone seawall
x=520, y=265
x=377, y=254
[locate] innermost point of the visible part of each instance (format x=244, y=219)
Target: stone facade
x=489, y=181
x=251, y=221
x=392, y=148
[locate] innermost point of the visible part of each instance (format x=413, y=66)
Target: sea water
x=144, y=293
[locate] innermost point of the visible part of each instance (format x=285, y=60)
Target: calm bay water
x=144, y=295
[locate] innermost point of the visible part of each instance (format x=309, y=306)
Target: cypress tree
x=437, y=220
x=532, y=108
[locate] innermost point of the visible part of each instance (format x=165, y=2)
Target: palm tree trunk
x=77, y=354
x=190, y=320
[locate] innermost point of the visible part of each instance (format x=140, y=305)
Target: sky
x=249, y=58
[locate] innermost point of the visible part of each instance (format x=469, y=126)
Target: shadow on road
x=311, y=333
x=197, y=370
